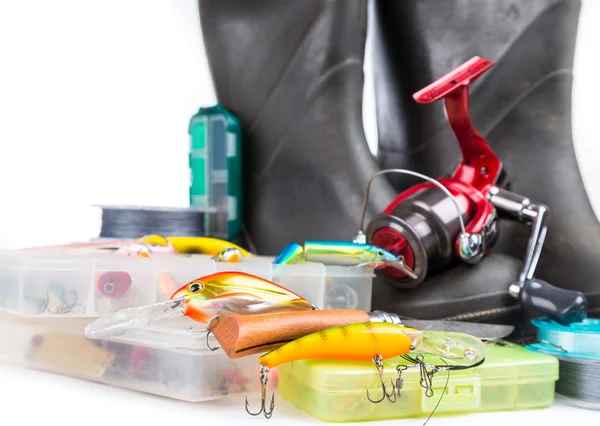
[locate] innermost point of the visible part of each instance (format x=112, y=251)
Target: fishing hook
x=63, y=308
x=378, y=360
x=208, y=333
x=264, y=380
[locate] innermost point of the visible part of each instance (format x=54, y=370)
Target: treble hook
x=378, y=360
x=208, y=333
x=264, y=380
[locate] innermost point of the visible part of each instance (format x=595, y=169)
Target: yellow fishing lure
x=202, y=245
x=354, y=342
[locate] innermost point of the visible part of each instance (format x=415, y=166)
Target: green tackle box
x=511, y=378
x=215, y=164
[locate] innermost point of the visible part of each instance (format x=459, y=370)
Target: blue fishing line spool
x=577, y=347
x=580, y=338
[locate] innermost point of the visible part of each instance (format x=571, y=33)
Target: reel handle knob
x=564, y=306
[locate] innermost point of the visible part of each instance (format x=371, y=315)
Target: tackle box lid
x=505, y=363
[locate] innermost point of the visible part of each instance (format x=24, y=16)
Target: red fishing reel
x=436, y=222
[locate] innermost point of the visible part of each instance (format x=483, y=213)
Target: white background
x=95, y=98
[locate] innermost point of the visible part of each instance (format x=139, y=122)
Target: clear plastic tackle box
x=168, y=358
x=48, y=283
x=511, y=378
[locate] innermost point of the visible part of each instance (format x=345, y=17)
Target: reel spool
x=426, y=227
x=125, y=222
x=577, y=348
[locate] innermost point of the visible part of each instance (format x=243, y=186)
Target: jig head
x=376, y=342
x=204, y=298
x=113, y=284
x=58, y=300
x=342, y=253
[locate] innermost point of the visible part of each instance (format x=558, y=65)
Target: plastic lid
x=587, y=326
x=576, y=340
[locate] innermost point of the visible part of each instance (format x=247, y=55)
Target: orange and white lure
x=374, y=342
x=202, y=299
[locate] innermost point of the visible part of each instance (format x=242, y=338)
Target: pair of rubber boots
x=292, y=71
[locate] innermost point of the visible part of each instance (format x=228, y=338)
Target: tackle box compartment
x=511, y=378
x=167, y=358
x=52, y=283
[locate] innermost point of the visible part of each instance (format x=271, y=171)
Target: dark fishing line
x=135, y=222
x=579, y=379
x=427, y=376
x=441, y=396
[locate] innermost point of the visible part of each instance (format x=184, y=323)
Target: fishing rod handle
x=244, y=335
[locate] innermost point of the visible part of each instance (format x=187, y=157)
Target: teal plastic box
x=215, y=163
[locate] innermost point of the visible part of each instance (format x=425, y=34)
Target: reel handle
x=564, y=306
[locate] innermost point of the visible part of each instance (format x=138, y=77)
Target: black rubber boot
x=400, y=69
x=523, y=107
x=292, y=71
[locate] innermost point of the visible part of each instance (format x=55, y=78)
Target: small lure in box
x=511, y=378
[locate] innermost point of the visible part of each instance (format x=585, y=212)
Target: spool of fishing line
x=577, y=348
x=127, y=222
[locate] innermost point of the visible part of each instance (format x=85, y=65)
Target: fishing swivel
x=400, y=380
x=264, y=380
x=426, y=378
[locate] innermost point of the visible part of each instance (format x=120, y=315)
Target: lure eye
x=470, y=354
x=380, y=253
x=195, y=287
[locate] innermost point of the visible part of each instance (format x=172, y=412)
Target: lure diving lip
x=220, y=293
x=133, y=318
